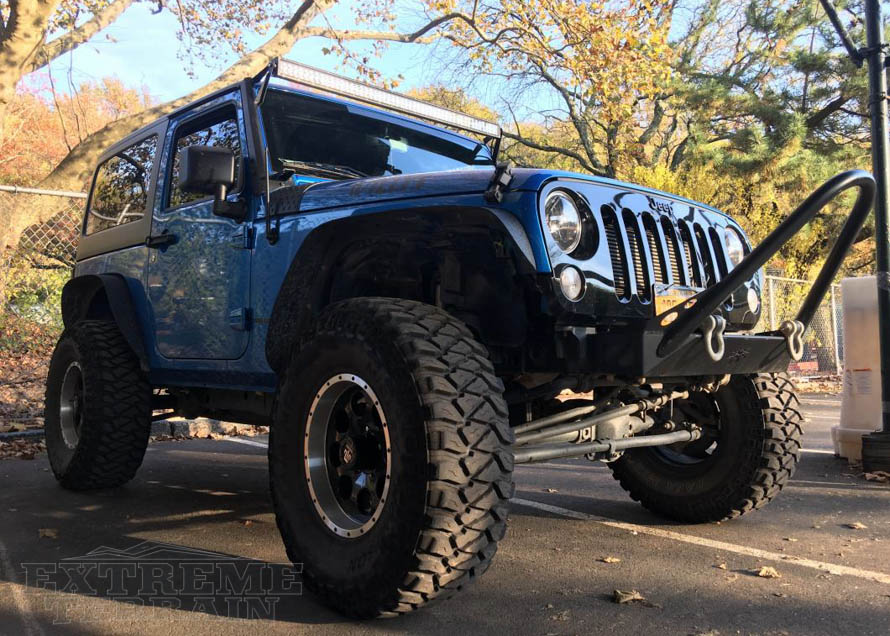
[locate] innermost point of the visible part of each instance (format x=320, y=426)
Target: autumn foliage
x=42, y=126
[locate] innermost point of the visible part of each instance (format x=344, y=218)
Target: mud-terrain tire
x=97, y=409
x=437, y=525
x=757, y=449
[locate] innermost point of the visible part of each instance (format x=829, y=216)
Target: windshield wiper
x=322, y=169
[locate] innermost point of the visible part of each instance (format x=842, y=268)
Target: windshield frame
x=361, y=110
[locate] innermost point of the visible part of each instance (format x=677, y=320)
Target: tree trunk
x=22, y=38
x=17, y=212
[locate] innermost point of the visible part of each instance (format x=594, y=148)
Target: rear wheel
x=97, y=409
x=749, y=448
x=389, y=454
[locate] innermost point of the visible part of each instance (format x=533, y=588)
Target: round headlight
x=735, y=248
x=563, y=220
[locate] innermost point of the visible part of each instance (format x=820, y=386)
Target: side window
x=222, y=133
x=120, y=191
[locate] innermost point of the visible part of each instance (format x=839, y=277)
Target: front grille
x=679, y=253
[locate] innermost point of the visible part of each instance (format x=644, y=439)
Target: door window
x=120, y=191
x=223, y=133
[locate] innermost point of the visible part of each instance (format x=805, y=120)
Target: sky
x=141, y=49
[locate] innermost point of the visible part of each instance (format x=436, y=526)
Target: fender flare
x=80, y=296
x=305, y=283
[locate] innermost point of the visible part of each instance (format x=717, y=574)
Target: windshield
x=327, y=139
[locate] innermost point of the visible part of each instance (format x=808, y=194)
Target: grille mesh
x=654, y=249
x=692, y=276
x=705, y=252
x=610, y=223
x=636, y=251
x=673, y=253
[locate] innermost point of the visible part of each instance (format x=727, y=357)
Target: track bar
x=541, y=454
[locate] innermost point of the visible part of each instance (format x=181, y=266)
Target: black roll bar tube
x=691, y=317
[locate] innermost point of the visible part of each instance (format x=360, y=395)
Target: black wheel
x=98, y=408
x=389, y=456
x=750, y=446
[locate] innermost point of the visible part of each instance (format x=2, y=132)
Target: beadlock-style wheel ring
x=71, y=397
x=347, y=455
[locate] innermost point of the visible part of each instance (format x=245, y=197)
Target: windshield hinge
x=503, y=175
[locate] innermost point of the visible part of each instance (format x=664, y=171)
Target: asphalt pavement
x=127, y=561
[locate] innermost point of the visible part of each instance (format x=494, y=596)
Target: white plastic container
x=861, y=402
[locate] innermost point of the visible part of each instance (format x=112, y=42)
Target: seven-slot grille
x=679, y=252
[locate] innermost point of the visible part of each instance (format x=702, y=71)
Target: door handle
x=160, y=241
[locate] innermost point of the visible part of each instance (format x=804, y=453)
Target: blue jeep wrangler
x=310, y=253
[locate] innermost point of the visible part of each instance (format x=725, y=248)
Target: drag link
x=527, y=436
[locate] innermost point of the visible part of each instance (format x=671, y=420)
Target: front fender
x=306, y=285
x=104, y=297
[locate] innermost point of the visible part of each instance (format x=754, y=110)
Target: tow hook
x=793, y=332
x=712, y=330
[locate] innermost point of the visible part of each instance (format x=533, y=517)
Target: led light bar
x=330, y=83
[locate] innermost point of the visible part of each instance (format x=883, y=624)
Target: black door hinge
x=239, y=319
x=243, y=238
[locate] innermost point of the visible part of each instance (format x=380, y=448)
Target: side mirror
x=211, y=170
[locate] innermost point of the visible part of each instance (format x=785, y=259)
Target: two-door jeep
x=310, y=253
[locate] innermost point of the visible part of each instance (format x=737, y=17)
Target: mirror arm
x=236, y=210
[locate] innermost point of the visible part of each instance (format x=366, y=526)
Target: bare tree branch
x=388, y=36
x=77, y=36
x=554, y=149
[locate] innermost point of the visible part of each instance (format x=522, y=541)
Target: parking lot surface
x=574, y=538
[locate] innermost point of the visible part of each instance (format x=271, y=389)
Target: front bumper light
x=563, y=220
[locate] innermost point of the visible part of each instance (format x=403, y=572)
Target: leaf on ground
x=621, y=597
x=856, y=525
x=561, y=616
x=550, y=490
x=720, y=566
x=609, y=559
x=768, y=572
x=879, y=476
x=48, y=533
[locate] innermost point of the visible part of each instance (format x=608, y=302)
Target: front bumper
x=672, y=344
x=636, y=354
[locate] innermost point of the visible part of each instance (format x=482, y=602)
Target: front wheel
x=389, y=456
x=750, y=446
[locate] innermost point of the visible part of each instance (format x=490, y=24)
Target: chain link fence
x=41, y=262
x=46, y=253
x=823, y=342
x=52, y=243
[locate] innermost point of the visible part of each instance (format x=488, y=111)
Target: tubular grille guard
x=692, y=316
x=680, y=254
